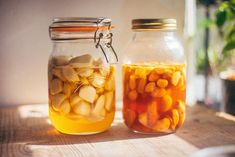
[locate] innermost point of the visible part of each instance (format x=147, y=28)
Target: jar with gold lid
x=81, y=75
x=154, y=79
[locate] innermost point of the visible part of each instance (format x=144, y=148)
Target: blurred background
x=205, y=27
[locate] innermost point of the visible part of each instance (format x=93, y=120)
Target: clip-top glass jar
x=81, y=75
x=154, y=80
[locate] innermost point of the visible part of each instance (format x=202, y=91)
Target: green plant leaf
x=223, y=5
x=220, y=18
x=205, y=23
x=232, y=7
x=230, y=35
x=228, y=47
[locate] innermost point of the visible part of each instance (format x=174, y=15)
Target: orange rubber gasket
x=80, y=28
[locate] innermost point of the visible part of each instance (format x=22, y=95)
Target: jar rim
x=80, y=22
x=154, y=24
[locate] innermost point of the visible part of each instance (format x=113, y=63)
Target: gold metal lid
x=154, y=24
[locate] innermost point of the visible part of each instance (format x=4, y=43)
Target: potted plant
x=222, y=61
x=225, y=22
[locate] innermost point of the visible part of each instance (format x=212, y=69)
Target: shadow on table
x=204, y=128
x=31, y=126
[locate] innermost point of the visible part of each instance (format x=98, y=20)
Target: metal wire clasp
x=108, y=44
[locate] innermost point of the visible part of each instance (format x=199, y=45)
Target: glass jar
x=154, y=79
x=81, y=75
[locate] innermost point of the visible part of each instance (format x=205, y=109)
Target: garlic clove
x=57, y=101
x=109, y=102
x=85, y=72
x=70, y=74
x=87, y=93
x=97, y=80
x=81, y=61
x=74, y=99
x=68, y=89
x=60, y=60
x=82, y=108
x=99, y=106
x=56, y=86
x=65, y=107
x=57, y=72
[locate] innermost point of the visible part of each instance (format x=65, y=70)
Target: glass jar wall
x=81, y=75
x=154, y=79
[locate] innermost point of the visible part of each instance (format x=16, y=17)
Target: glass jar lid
x=154, y=24
x=72, y=28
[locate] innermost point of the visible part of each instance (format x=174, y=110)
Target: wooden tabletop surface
x=26, y=131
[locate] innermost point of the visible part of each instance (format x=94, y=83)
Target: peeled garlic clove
x=81, y=61
x=152, y=113
x=68, y=89
x=57, y=72
x=87, y=93
x=181, y=106
x=97, y=80
x=132, y=82
x=56, y=86
x=143, y=119
x=132, y=95
x=130, y=116
x=109, y=96
x=175, y=118
x=70, y=74
x=175, y=78
x=74, y=99
x=140, y=72
x=57, y=101
x=61, y=60
x=181, y=110
x=65, y=107
x=166, y=103
x=82, y=108
x=162, y=125
x=150, y=87
x=99, y=106
x=162, y=83
x=104, y=71
x=158, y=92
x=141, y=85
x=85, y=72
x=110, y=83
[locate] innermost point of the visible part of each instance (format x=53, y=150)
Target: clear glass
x=154, y=82
x=81, y=86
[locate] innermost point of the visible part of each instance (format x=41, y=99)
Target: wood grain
x=25, y=131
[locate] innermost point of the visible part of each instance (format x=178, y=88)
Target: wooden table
x=26, y=131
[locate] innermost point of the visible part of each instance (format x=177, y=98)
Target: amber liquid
x=154, y=97
x=79, y=125
x=74, y=112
